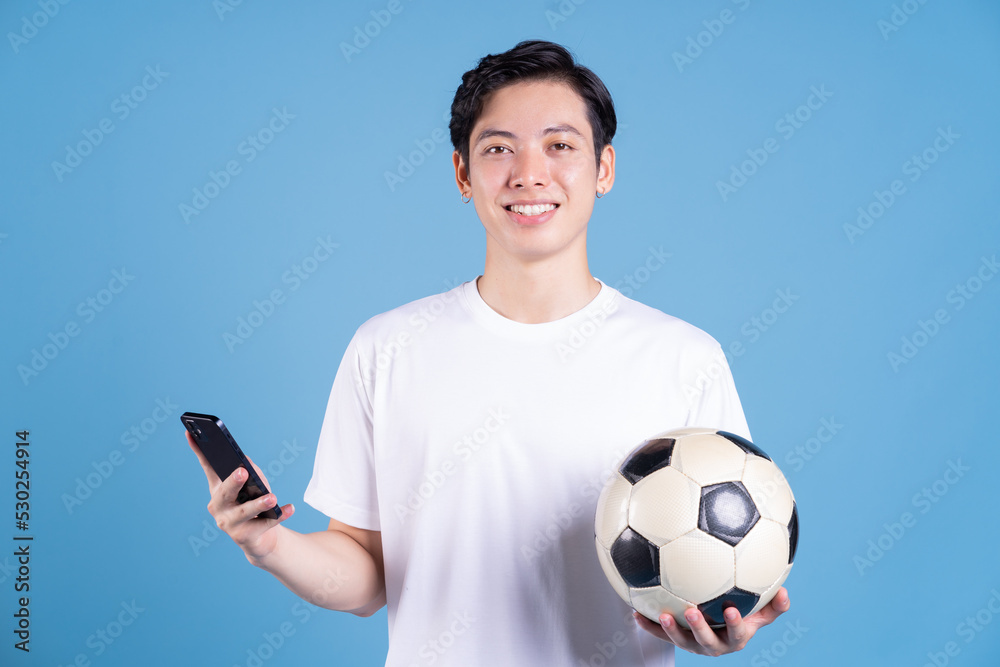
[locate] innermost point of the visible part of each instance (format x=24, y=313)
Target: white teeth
x=534, y=209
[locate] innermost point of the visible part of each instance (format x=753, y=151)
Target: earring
x=600, y=194
x=466, y=200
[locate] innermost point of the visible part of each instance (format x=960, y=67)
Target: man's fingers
x=243, y=525
x=231, y=516
x=231, y=486
x=680, y=636
x=649, y=626
x=775, y=608
x=704, y=640
x=737, y=632
x=703, y=634
x=223, y=504
x=675, y=633
x=669, y=630
x=251, y=508
x=266, y=503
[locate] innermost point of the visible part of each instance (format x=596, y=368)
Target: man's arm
x=339, y=568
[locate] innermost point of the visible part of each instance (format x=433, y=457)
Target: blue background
x=684, y=126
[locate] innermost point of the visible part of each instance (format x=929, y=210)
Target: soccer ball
x=696, y=518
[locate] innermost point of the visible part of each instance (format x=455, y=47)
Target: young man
x=468, y=434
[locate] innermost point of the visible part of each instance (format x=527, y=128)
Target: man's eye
x=496, y=149
x=561, y=146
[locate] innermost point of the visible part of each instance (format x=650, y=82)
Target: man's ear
x=606, y=170
x=462, y=175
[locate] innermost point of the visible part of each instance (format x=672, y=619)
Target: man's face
x=533, y=147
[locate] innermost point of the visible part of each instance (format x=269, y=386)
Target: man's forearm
x=328, y=569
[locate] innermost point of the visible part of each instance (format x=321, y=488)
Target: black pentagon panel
x=636, y=559
x=648, y=457
x=744, y=444
x=727, y=512
x=793, y=533
x=743, y=600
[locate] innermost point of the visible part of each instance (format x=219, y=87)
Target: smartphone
x=225, y=456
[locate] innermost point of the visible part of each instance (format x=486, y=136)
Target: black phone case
x=225, y=456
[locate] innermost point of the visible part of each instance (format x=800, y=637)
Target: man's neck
x=538, y=292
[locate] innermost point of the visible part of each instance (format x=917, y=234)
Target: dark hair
x=530, y=60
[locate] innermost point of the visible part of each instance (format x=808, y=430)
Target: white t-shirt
x=478, y=446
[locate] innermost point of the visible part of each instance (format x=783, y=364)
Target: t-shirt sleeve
x=714, y=401
x=343, y=480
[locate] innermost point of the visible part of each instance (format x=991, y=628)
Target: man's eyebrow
x=555, y=129
x=493, y=132
x=563, y=128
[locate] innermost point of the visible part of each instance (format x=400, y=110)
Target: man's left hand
x=703, y=640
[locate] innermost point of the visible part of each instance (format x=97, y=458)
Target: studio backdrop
x=202, y=201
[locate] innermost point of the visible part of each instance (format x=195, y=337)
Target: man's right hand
x=255, y=536
x=340, y=568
